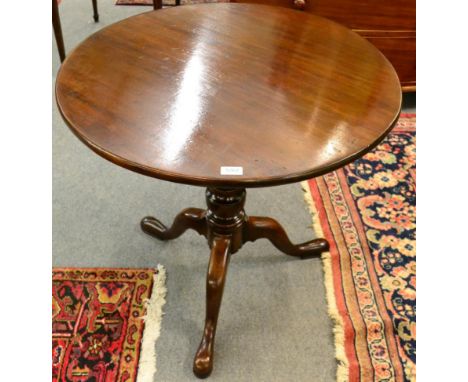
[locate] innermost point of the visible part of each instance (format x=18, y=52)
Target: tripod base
x=226, y=227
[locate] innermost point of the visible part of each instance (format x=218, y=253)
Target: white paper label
x=230, y=170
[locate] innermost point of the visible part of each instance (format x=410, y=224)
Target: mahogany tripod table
x=228, y=96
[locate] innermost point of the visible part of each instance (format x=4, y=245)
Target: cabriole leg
x=268, y=228
x=216, y=277
x=190, y=218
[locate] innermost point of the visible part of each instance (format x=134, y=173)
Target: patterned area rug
x=105, y=323
x=167, y=2
x=367, y=211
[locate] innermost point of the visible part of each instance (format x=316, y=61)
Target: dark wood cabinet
x=388, y=24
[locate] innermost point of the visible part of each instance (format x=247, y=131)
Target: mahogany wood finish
x=388, y=24
x=227, y=228
x=401, y=52
x=282, y=94
x=268, y=228
x=190, y=218
x=216, y=277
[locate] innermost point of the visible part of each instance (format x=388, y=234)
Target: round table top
x=228, y=94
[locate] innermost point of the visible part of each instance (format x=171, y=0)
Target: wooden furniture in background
x=157, y=4
x=57, y=26
x=280, y=95
x=58, y=30
x=388, y=24
x=95, y=11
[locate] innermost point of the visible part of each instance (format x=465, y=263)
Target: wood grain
x=178, y=93
x=357, y=14
x=373, y=19
x=401, y=52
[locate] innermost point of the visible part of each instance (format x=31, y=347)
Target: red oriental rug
x=105, y=323
x=367, y=211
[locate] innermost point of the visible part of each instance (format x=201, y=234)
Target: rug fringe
x=342, y=374
x=147, y=364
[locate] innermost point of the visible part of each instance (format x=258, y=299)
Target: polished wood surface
x=179, y=93
x=216, y=277
x=370, y=15
x=388, y=24
x=400, y=49
x=227, y=227
x=283, y=94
